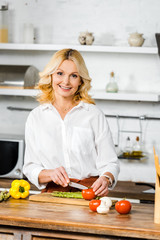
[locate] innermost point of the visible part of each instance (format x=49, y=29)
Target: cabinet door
x=6, y=236
x=9, y=235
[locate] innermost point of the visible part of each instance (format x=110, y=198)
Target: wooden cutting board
x=47, y=197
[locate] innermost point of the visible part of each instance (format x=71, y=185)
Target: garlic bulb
x=107, y=201
x=102, y=208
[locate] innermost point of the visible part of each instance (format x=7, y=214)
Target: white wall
x=111, y=21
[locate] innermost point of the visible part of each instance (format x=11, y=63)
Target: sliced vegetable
x=88, y=194
x=123, y=206
x=93, y=204
x=67, y=194
x=19, y=189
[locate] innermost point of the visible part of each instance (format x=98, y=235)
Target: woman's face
x=66, y=80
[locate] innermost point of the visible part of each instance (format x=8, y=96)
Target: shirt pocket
x=82, y=140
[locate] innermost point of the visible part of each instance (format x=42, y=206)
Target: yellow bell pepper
x=19, y=189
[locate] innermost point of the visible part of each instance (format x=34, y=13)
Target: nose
x=66, y=79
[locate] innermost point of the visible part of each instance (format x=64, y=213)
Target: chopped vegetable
x=19, y=189
x=67, y=194
x=4, y=195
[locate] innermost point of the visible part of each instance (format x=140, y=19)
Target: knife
x=77, y=185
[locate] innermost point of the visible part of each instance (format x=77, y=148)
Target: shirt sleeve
x=32, y=167
x=107, y=160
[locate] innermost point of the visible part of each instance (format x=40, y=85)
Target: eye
x=60, y=73
x=74, y=75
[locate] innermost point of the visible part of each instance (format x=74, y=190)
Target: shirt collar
x=46, y=106
x=80, y=105
x=83, y=105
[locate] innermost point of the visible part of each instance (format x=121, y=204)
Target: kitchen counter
x=28, y=220
x=123, y=189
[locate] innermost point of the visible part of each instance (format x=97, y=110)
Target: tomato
x=123, y=206
x=88, y=194
x=93, y=204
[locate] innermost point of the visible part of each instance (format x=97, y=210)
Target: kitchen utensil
x=157, y=192
x=77, y=185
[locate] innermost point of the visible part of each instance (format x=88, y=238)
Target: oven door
x=11, y=158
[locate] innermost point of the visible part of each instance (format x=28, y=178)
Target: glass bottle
x=137, y=149
x=4, y=24
x=112, y=86
x=128, y=148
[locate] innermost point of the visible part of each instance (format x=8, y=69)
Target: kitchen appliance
x=18, y=76
x=11, y=156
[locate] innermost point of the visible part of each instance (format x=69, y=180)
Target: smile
x=66, y=88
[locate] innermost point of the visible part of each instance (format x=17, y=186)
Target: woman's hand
x=59, y=176
x=100, y=186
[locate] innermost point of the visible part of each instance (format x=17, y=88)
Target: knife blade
x=77, y=185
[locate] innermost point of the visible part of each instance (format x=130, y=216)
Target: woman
x=67, y=136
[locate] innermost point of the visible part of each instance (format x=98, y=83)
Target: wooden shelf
x=96, y=94
x=82, y=48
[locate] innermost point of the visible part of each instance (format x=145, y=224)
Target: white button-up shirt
x=81, y=143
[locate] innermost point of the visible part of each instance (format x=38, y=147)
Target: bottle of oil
x=127, y=149
x=137, y=150
x=4, y=24
x=112, y=86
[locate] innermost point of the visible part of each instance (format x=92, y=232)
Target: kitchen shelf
x=18, y=92
x=123, y=96
x=96, y=94
x=82, y=48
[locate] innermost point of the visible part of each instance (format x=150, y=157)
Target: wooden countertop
x=123, y=189
x=71, y=218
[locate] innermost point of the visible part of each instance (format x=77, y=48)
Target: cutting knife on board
x=77, y=185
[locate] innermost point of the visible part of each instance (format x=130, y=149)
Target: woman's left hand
x=100, y=186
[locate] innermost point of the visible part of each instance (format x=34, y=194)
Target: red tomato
x=123, y=206
x=88, y=194
x=93, y=204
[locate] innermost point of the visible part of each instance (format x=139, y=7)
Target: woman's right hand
x=59, y=176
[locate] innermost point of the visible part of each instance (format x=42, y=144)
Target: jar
x=4, y=24
x=86, y=38
x=136, y=39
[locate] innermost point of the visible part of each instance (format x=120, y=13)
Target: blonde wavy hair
x=45, y=83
